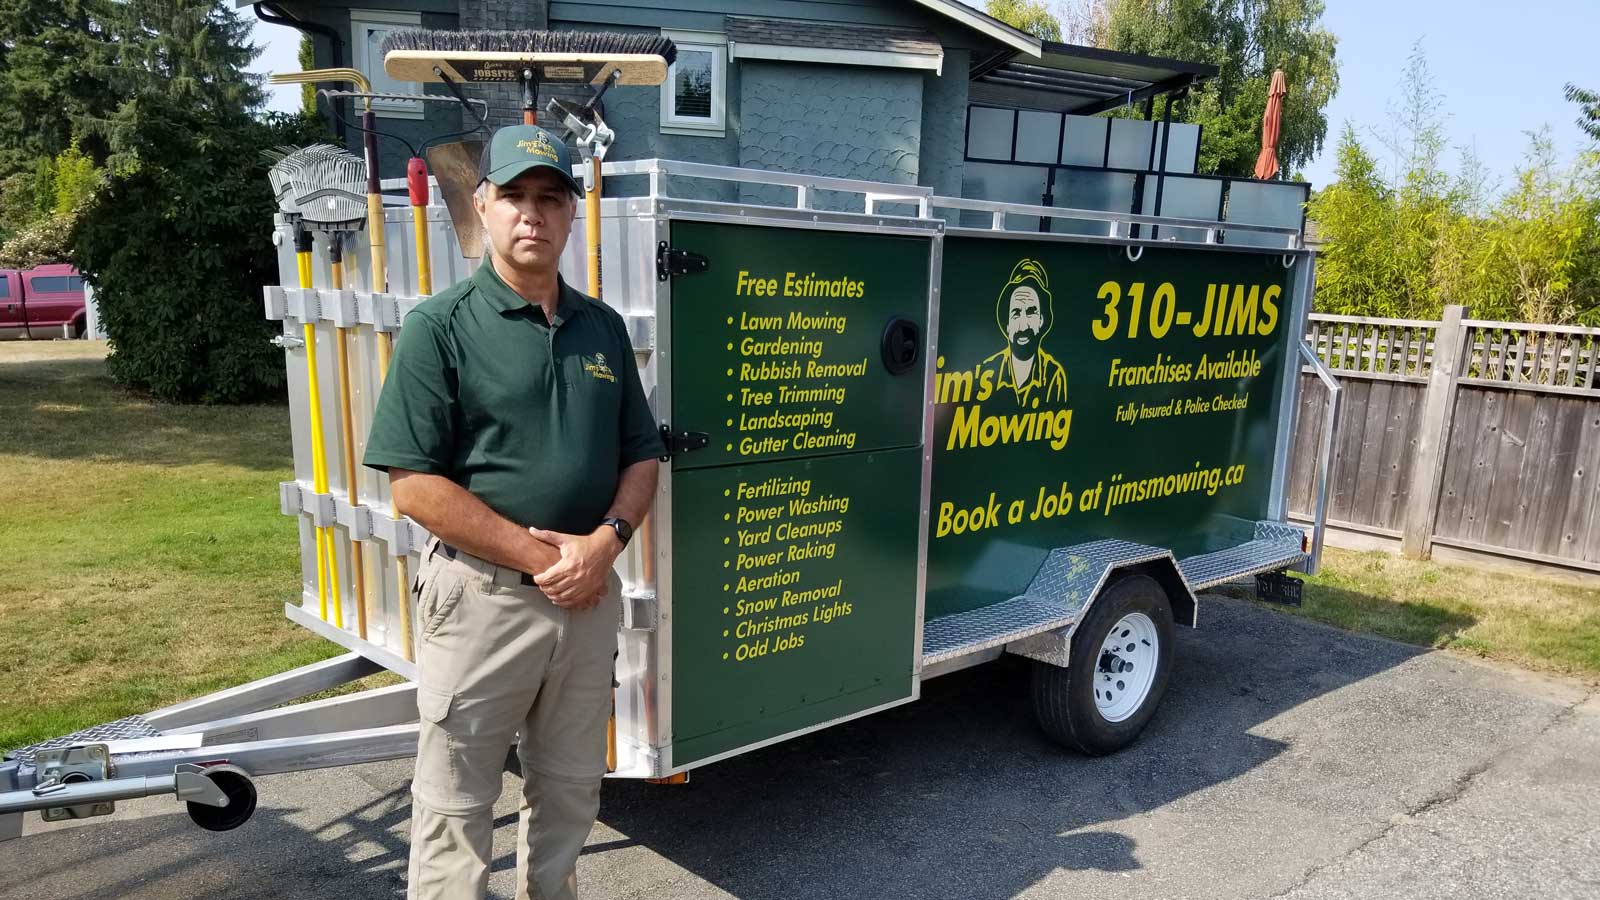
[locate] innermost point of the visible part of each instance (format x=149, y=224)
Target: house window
x=368, y=28
x=693, y=98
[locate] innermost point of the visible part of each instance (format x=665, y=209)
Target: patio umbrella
x=1267, y=162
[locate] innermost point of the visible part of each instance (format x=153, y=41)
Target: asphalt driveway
x=1288, y=760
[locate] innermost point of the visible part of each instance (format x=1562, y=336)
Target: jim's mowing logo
x=1019, y=393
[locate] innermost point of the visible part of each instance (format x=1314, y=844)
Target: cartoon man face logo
x=1024, y=322
x=1024, y=313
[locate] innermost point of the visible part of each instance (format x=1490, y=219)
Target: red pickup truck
x=42, y=302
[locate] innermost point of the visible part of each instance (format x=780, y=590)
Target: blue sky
x=1500, y=67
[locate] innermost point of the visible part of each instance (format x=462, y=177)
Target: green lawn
x=1535, y=623
x=143, y=560
x=142, y=556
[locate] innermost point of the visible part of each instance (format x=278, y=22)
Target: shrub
x=181, y=302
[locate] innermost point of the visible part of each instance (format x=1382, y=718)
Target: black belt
x=451, y=553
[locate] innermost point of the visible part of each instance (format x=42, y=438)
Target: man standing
x=514, y=427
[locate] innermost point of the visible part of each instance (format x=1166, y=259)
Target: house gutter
x=274, y=14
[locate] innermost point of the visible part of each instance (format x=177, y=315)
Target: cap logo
x=539, y=145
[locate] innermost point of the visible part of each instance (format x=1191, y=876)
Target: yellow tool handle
x=375, y=242
x=328, y=578
x=347, y=422
x=303, y=266
x=347, y=425
x=591, y=227
x=419, y=226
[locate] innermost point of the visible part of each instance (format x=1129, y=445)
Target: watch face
x=624, y=530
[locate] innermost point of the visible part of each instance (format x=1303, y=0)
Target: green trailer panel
x=1148, y=407
x=796, y=531
x=779, y=342
x=815, y=619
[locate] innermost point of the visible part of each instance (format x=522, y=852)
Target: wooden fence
x=1458, y=436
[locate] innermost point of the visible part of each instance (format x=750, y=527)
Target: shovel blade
x=455, y=168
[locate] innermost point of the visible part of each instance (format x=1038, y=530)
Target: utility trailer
x=906, y=434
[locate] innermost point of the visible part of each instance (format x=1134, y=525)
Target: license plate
x=1276, y=587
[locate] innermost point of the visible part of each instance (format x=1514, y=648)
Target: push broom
x=527, y=58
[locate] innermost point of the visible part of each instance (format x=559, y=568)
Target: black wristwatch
x=623, y=529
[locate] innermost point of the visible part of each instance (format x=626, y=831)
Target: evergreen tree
x=52, y=72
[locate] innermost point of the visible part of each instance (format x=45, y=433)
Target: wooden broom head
x=554, y=57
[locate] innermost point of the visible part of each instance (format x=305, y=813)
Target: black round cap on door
x=902, y=339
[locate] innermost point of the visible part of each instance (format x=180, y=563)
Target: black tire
x=1064, y=700
x=241, y=793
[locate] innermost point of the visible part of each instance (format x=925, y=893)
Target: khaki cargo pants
x=495, y=659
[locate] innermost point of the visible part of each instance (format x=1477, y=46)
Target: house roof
x=820, y=42
x=790, y=33
x=1082, y=80
x=985, y=24
x=961, y=13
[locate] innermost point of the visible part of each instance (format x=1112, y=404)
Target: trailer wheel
x=1121, y=655
x=241, y=801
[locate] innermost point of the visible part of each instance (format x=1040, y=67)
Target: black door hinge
x=671, y=261
x=679, y=442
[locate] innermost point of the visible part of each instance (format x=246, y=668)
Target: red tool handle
x=417, y=181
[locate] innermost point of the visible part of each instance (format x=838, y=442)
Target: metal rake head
x=323, y=185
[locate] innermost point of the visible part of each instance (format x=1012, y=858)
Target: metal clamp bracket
x=343, y=306
x=303, y=304
x=640, y=611
x=402, y=535
x=381, y=311
x=641, y=331
x=296, y=499
x=358, y=519
x=59, y=769
x=276, y=303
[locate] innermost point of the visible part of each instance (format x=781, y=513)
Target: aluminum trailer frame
x=183, y=750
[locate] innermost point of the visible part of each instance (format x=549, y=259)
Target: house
x=927, y=92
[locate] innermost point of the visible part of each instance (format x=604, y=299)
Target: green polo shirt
x=536, y=418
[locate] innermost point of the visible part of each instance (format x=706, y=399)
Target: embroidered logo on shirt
x=598, y=369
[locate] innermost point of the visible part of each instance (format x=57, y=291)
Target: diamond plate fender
x=1113, y=559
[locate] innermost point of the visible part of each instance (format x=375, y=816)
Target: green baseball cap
x=516, y=149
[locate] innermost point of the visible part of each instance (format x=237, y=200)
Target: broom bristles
x=559, y=42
